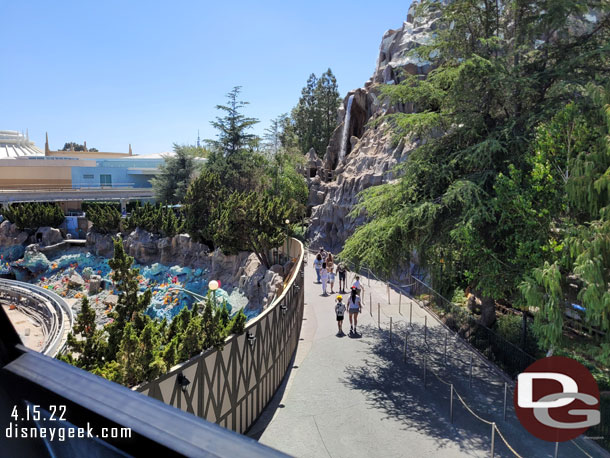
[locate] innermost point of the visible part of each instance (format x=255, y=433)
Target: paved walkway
x=356, y=397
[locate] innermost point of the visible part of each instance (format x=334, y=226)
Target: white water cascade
x=346, y=123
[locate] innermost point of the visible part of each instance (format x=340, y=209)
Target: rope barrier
x=470, y=410
x=506, y=442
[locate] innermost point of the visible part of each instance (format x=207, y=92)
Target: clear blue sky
x=150, y=73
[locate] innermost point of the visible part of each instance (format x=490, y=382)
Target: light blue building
x=128, y=172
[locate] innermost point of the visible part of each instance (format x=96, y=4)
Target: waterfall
x=346, y=122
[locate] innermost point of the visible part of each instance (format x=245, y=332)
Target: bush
x=156, y=219
x=34, y=215
x=106, y=218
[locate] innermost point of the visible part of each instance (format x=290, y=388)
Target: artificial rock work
x=243, y=271
x=369, y=155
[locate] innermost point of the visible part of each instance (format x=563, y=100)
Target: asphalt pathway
x=356, y=395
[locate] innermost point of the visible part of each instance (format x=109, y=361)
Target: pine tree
x=175, y=175
x=87, y=350
x=327, y=101
x=232, y=128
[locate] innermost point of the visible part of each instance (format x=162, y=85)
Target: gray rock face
x=100, y=244
x=76, y=281
x=370, y=154
x=49, y=236
x=243, y=270
x=95, y=284
x=11, y=235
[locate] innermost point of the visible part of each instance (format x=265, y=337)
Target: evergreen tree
x=253, y=222
x=88, y=349
x=327, y=102
x=131, y=305
x=203, y=201
x=306, y=117
x=233, y=126
x=176, y=173
x=501, y=70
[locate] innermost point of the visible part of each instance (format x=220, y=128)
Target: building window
x=88, y=176
x=105, y=180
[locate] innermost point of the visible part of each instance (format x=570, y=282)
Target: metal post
x=426, y=329
x=371, y=303
x=404, y=351
x=556, y=449
x=369, y=276
x=470, y=377
x=390, y=330
x=399, y=301
x=451, y=404
x=388, y=288
x=378, y=315
x=493, y=438
x=446, y=337
x=505, y=391
x=424, y=371
x=410, y=312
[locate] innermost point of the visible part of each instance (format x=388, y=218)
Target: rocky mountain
x=360, y=154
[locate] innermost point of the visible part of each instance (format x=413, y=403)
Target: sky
x=151, y=73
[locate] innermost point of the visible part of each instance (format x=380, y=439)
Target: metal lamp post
x=213, y=286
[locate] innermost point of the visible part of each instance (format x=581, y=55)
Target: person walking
x=330, y=261
x=354, y=307
x=339, y=312
x=358, y=285
x=331, y=278
x=317, y=265
x=342, y=272
x=324, y=278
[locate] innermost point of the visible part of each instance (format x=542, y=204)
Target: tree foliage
x=483, y=199
x=106, y=218
x=315, y=116
x=176, y=174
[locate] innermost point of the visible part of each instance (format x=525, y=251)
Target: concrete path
x=354, y=396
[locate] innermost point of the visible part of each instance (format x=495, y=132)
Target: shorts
x=339, y=317
x=342, y=276
x=356, y=310
x=331, y=278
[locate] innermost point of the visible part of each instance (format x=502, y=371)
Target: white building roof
x=14, y=145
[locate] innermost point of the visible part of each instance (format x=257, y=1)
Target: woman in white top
x=359, y=287
x=324, y=278
x=354, y=307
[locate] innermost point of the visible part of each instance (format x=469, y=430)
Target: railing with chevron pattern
x=232, y=386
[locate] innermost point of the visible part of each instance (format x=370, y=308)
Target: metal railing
x=231, y=386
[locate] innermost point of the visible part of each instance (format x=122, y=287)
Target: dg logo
x=557, y=399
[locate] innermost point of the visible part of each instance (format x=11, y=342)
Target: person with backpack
x=339, y=312
x=354, y=307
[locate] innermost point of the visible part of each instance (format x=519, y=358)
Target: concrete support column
x=123, y=206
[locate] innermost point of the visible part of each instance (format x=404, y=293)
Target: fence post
x=425, y=329
x=556, y=449
x=446, y=337
x=371, y=302
x=390, y=330
x=388, y=288
x=369, y=276
x=404, y=351
x=505, y=391
x=410, y=312
x=424, y=371
x=523, y=331
x=399, y=301
x=378, y=315
x=451, y=405
x=470, y=376
x=493, y=438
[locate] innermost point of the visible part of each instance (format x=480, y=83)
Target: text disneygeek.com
x=61, y=433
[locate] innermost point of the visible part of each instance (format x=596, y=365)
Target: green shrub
x=31, y=216
x=106, y=218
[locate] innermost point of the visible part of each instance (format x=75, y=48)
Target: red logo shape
x=556, y=399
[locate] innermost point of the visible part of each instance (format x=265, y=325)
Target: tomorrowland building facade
x=27, y=173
